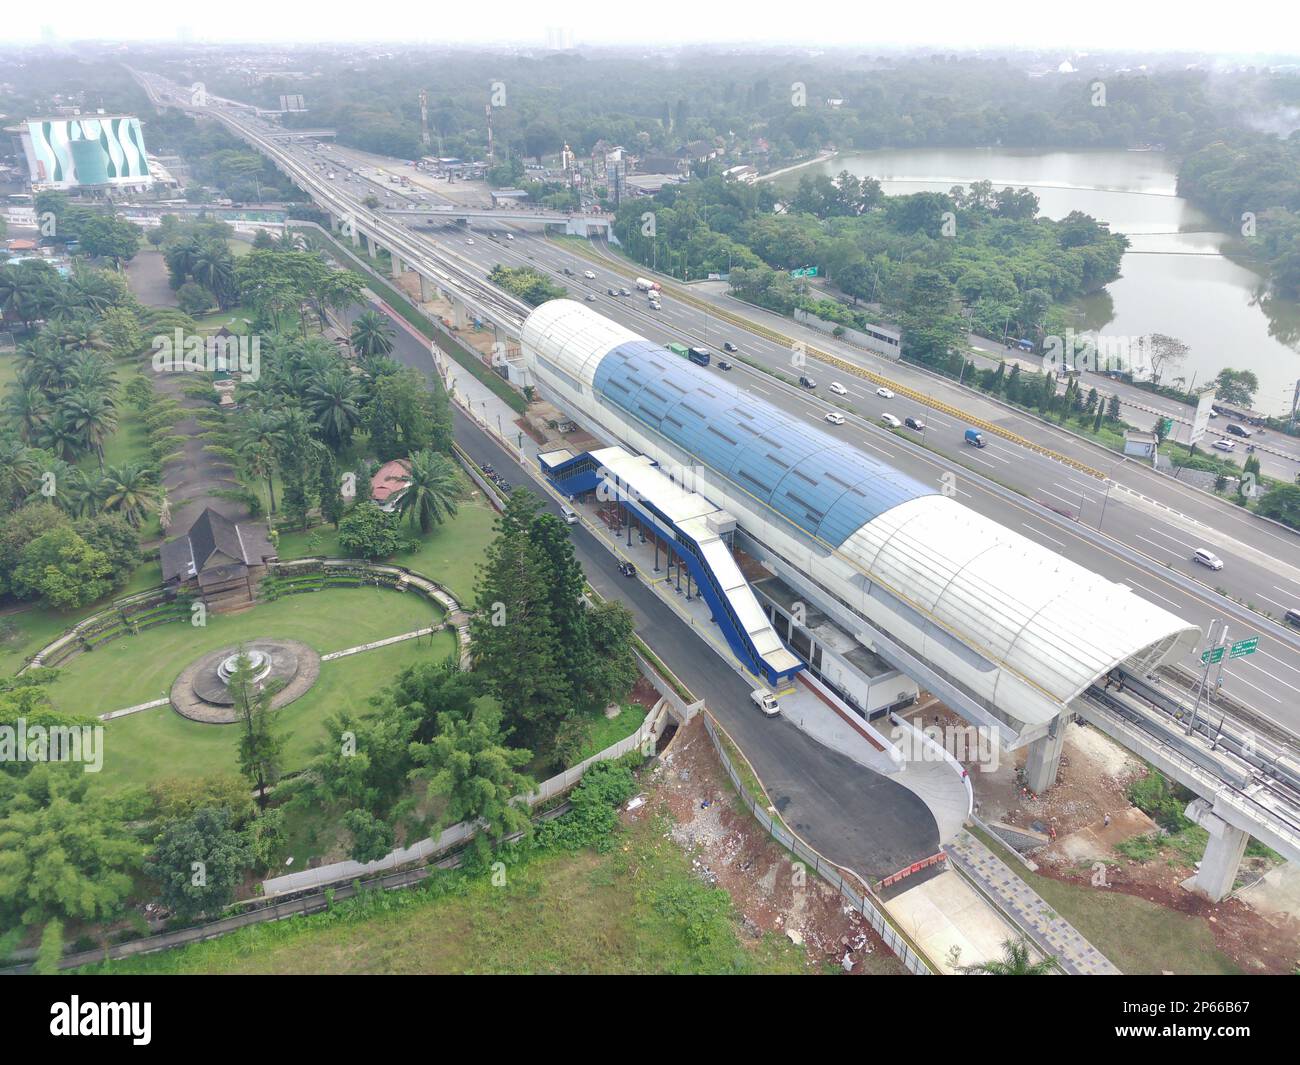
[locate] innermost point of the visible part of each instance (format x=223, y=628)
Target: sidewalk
x=1019, y=901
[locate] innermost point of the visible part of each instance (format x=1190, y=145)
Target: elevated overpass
x=581, y=225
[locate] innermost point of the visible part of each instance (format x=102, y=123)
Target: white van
x=570, y=518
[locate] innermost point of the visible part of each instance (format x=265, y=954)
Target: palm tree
x=60, y=437
x=214, y=268
x=372, y=334
x=26, y=410
x=91, y=413
x=431, y=490
x=1015, y=962
x=89, y=369
x=94, y=289
x=259, y=437
x=130, y=492
x=63, y=485
x=332, y=400
x=19, y=467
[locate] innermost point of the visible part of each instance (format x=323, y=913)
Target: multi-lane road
x=1152, y=525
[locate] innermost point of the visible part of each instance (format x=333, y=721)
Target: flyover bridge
x=576, y=224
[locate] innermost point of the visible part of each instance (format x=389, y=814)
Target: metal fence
x=828, y=871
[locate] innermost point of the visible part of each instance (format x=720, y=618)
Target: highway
x=1262, y=563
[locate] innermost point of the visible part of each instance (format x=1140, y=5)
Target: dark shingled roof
x=214, y=541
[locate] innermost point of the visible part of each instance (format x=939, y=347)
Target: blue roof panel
x=828, y=488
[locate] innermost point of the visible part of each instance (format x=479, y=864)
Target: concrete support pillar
x=373, y=247
x=458, y=317
x=355, y=233
x=1045, y=758
x=397, y=265
x=427, y=291
x=1218, y=870
x=334, y=223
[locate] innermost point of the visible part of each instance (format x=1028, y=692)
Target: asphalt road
x=1262, y=564
x=857, y=818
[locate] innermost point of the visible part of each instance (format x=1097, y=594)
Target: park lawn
x=137, y=669
x=159, y=743
x=1137, y=935
x=635, y=909
x=450, y=554
x=8, y=370
x=239, y=320
x=25, y=632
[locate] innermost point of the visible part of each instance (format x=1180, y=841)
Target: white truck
x=766, y=702
x=646, y=285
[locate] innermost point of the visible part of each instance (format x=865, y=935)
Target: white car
x=890, y=421
x=839, y=389
x=766, y=702
x=1207, y=558
x=510, y=236
x=884, y=393
x=835, y=419
x=590, y=275
x=470, y=241
x=1225, y=445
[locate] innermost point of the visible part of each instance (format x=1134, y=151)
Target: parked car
x=890, y=421
x=884, y=393
x=839, y=389
x=807, y=382
x=1207, y=558
x=570, y=518
x=766, y=702
x=1238, y=430
x=915, y=423
x=1225, y=445
x=835, y=418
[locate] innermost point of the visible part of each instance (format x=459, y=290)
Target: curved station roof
x=1044, y=617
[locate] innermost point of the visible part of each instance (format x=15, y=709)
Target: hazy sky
x=1221, y=26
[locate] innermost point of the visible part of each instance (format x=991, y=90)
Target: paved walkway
x=1026, y=907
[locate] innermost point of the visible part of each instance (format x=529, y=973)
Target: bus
x=680, y=349
x=699, y=356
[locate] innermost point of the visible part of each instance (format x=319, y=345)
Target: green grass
x=159, y=743
x=450, y=554
x=1137, y=935
x=635, y=909
x=136, y=669
x=236, y=319
x=605, y=732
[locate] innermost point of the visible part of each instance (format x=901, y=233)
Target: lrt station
x=831, y=578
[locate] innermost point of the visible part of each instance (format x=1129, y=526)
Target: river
x=1175, y=279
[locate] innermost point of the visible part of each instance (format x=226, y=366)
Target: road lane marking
x=1026, y=525
x=1141, y=588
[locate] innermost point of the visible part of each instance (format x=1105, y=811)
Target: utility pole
x=1295, y=405
x=1211, y=644
x=424, y=118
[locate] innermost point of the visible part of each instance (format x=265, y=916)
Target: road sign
x=807, y=271
x=1166, y=426
x=1215, y=654
x=1243, y=647
x=1201, y=421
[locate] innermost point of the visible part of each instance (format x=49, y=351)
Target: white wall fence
x=457, y=834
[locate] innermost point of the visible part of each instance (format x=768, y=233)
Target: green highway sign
x=1243, y=647
x=1215, y=654
x=807, y=271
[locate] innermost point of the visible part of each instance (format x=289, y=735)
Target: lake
x=1175, y=278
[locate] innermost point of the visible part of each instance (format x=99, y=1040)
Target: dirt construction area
x=730, y=850
x=1089, y=834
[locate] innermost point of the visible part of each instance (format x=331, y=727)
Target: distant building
x=616, y=175
x=89, y=151
x=660, y=164
x=745, y=173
